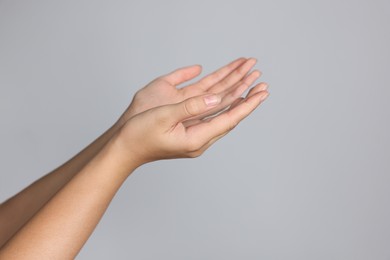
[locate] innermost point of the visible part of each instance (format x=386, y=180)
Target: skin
x=54, y=216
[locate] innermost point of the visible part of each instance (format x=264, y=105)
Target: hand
x=229, y=82
x=160, y=133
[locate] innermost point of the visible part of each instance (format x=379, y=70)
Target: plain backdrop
x=307, y=176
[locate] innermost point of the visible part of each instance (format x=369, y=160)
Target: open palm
x=230, y=82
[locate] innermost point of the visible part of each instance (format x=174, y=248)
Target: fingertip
x=256, y=89
x=257, y=96
x=250, y=63
x=257, y=73
x=200, y=68
x=194, y=71
x=253, y=60
x=197, y=67
x=252, y=77
x=263, y=86
x=238, y=62
x=263, y=95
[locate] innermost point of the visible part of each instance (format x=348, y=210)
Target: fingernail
x=212, y=100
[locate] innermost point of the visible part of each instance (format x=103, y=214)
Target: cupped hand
x=229, y=82
x=160, y=133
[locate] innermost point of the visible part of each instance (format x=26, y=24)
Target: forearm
x=16, y=211
x=62, y=226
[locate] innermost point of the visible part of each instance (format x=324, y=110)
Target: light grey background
x=304, y=177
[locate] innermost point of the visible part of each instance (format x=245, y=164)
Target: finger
x=190, y=107
x=212, y=141
x=226, y=121
x=259, y=87
x=216, y=76
x=213, y=111
x=205, y=117
x=229, y=96
x=249, y=79
x=234, y=77
x=236, y=103
x=202, y=149
x=226, y=100
x=182, y=75
x=230, y=101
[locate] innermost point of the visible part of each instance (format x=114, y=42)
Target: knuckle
x=195, y=154
x=160, y=79
x=193, y=146
x=232, y=124
x=162, y=117
x=192, y=107
x=225, y=82
x=241, y=70
x=217, y=75
x=247, y=81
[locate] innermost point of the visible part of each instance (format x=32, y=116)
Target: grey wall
x=305, y=177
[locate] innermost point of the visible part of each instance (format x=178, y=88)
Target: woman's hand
x=161, y=132
x=229, y=82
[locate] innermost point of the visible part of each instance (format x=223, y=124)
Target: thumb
x=181, y=75
x=193, y=107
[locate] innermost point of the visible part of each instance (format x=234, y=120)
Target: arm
x=16, y=211
x=62, y=226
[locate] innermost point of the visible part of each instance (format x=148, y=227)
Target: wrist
x=120, y=122
x=129, y=113
x=119, y=151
